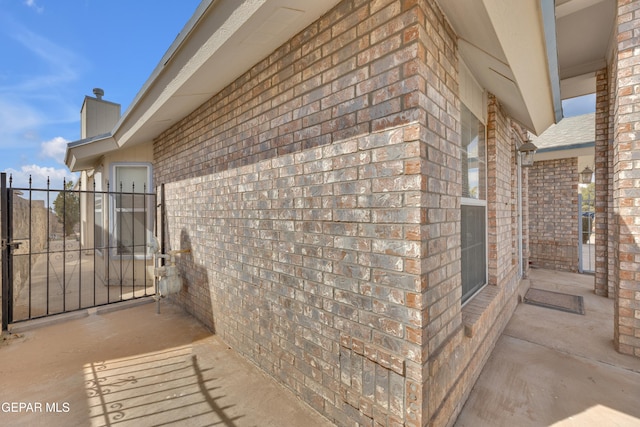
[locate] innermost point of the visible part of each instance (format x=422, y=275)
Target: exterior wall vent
x=99, y=93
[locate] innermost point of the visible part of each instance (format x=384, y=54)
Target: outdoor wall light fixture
x=527, y=151
x=586, y=175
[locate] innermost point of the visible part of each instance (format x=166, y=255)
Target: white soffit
x=83, y=154
x=585, y=37
x=505, y=46
x=578, y=86
x=274, y=26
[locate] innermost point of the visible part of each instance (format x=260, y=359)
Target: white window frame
x=98, y=194
x=114, y=189
x=467, y=201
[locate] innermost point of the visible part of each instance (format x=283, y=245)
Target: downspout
x=520, y=222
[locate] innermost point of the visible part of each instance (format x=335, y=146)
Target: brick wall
x=626, y=179
x=359, y=69
x=305, y=214
x=311, y=260
x=553, y=222
x=602, y=180
x=612, y=220
x=320, y=197
x=455, y=364
x=500, y=172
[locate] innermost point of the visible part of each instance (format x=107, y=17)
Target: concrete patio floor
x=138, y=368
x=552, y=368
x=135, y=367
x=66, y=279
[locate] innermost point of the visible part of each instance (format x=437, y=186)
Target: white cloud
x=55, y=149
x=39, y=176
x=32, y=4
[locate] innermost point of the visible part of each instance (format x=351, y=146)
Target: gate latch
x=10, y=244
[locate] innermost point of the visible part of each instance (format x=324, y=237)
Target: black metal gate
x=71, y=248
x=586, y=229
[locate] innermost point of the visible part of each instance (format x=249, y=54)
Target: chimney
x=97, y=115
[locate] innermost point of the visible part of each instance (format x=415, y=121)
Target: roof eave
x=549, y=23
x=510, y=48
x=565, y=152
x=220, y=32
x=84, y=154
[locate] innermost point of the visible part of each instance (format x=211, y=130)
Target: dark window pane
x=473, y=257
x=98, y=230
x=131, y=238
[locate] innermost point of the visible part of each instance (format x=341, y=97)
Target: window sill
x=477, y=308
x=129, y=257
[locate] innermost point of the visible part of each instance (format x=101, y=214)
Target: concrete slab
x=134, y=367
x=66, y=280
x=552, y=368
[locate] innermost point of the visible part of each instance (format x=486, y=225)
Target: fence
x=71, y=248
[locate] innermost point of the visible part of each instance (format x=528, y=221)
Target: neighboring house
x=116, y=217
x=346, y=176
x=564, y=150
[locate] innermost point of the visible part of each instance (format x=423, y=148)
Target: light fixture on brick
x=586, y=175
x=527, y=151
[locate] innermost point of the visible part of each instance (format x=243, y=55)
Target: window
x=98, y=206
x=473, y=205
x=132, y=213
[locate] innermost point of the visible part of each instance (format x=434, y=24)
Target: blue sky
x=54, y=52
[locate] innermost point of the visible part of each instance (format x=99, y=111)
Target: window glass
x=473, y=157
x=131, y=237
x=473, y=205
x=130, y=179
x=98, y=230
x=473, y=255
x=133, y=209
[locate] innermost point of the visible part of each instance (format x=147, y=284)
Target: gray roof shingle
x=569, y=132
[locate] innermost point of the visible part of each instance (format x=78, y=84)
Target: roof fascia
x=80, y=154
x=165, y=60
x=74, y=149
x=549, y=24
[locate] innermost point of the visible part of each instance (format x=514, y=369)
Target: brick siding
x=602, y=183
x=501, y=200
x=320, y=197
x=626, y=178
x=310, y=260
x=455, y=363
x=553, y=226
